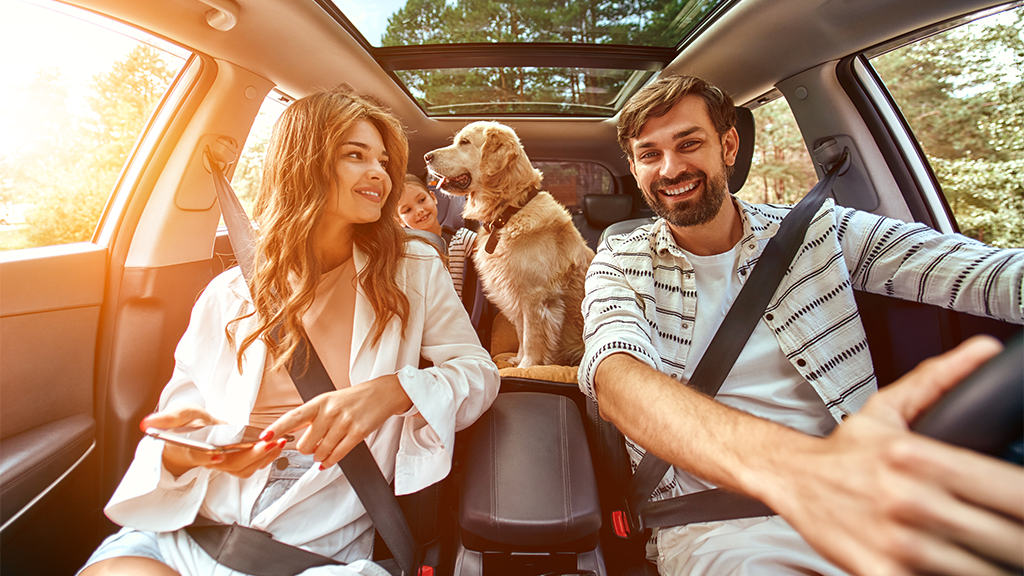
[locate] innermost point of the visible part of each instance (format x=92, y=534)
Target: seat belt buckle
x=626, y=524
x=425, y=570
x=620, y=523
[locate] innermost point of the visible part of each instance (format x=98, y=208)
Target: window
x=77, y=92
x=962, y=93
x=569, y=181
x=781, y=171
x=249, y=173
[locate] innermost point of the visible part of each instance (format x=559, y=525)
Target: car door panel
x=49, y=317
x=902, y=334
x=34, y=460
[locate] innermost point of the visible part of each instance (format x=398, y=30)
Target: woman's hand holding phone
x=179, y=459
x=339, y=420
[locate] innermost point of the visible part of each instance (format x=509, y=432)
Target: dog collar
x=498, y=223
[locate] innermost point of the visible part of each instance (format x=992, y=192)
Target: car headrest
x=744, y=156
x=604, y=209
x=449, y=210
x=624, y=227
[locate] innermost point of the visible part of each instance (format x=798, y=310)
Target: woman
x=370, y=302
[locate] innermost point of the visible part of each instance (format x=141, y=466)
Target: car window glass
x=962, y=93
x=781, y=171
x=569, y=181
x=77, y=91
x=249, y=173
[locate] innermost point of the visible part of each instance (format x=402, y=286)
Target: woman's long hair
x=299, y=177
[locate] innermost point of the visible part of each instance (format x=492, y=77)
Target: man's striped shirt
x=641, y=295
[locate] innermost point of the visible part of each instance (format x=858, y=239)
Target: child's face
x=418, y=209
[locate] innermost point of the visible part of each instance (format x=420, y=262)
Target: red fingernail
x=267, y=435
x=217, y=458
x=269, y=447
x=281, y=443
x=322, y=468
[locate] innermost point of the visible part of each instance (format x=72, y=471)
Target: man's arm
x=872, y=497
x=914, y=262
x=716, y=442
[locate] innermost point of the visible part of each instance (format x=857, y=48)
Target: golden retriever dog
x=531, y=258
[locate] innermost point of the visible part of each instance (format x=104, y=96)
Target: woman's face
x=362, y=183
x=418, y=209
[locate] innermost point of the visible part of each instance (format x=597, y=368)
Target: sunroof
x=523, y=57
x=522, y=90
x=662, y=23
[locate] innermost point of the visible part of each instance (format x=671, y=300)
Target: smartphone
x=216, y=438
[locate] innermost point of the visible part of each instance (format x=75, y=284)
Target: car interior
x=88, y=328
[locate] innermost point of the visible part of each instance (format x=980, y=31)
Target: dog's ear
x=500, y=149
x=509, y=168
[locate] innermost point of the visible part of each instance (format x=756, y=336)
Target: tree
x=962, y=93
x=76, y=176
x=781, y=171
x=531, y=89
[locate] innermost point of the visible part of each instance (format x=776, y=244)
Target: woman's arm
x=447, y=396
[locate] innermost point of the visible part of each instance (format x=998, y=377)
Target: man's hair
x=657, y=98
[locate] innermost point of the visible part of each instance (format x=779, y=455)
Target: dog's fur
x=536, y=273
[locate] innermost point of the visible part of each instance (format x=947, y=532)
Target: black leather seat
x=529, y=488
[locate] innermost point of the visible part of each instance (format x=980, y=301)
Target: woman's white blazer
x=321, y=512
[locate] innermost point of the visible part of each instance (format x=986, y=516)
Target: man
x=868, y=496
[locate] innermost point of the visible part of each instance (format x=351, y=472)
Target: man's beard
x=694, y=212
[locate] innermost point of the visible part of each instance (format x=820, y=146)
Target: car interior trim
x=53, y=485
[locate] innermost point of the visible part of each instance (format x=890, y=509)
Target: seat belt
x=358, y=465
x=710, y=373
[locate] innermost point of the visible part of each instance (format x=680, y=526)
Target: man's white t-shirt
x=762, y=382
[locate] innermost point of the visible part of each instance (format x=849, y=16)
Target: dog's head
x=485, y=162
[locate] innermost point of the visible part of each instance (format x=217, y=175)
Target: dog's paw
x=526, y=362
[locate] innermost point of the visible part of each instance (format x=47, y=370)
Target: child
x=418, y=210
x=418, y=206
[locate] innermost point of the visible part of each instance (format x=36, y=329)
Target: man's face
x=679, y=162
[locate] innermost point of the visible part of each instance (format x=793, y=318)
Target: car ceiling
x=301, y=48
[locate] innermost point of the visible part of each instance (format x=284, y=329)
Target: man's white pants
x=744, y=547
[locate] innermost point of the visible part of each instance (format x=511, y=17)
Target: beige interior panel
x=54, y=277
x=47, y=370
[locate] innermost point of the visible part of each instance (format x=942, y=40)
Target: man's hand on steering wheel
x=876, y=498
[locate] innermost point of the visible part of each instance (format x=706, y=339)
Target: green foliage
x=69, y=165
x=963, y=95
x=505, y=89
x=987, y=198
x=781, y=172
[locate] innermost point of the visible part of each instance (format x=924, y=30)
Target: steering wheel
x=985, y=412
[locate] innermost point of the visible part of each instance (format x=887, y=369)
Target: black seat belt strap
x=358, y=465
x=717, y=362
x=361, y=469
x=252, y=551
